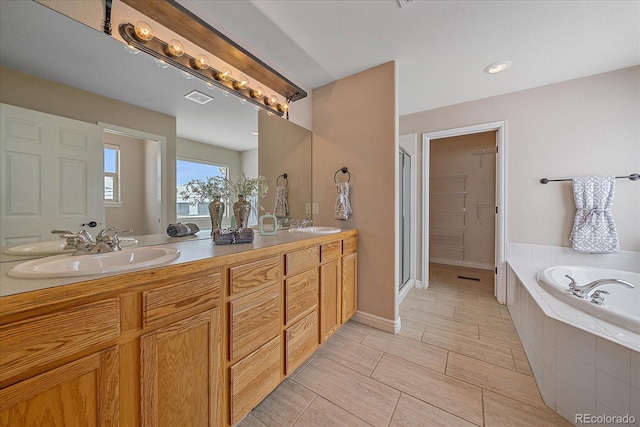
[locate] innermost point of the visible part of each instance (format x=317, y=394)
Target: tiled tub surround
x=582, y=365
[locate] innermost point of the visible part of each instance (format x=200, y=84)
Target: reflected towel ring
x=284, y=175
x=343, y=170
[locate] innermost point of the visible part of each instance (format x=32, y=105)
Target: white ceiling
x=441, y=49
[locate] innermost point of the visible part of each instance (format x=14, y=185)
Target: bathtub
x=622, y=305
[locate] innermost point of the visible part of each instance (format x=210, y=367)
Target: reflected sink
x=56, y=247
x=82, y=265
x=316, y=229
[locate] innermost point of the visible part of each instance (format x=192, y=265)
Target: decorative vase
x=216, y=210
x=241, y=211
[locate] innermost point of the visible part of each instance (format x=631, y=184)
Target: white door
x=51, y=175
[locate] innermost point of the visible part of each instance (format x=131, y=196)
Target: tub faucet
x=586, y=291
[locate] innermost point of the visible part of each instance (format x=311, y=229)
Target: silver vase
x=241, y=211
x=216, y=210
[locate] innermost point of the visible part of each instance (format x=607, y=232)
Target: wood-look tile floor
x=456, y=362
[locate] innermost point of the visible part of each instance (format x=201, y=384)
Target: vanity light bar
x=188, y=64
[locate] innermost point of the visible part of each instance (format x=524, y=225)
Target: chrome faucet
x=106, y=242
x=85, y=244
x=306, y=222
x=587, y=291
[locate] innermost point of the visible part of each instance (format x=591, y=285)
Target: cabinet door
x=253, y=378
x=349, y=286
x=330, y=299
x=181, y=373
x=301, y=341
x=80, y=393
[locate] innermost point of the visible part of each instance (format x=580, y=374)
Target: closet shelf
x=453, y=193
x=447, y=176
x=458, y=248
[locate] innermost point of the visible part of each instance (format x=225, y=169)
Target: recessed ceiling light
x=198, y=97
x=497, y=67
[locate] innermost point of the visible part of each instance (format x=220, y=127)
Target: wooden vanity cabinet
x=254, y=333
x=50, y=363
x=349, y=279
x=199, y=343
x=338, y=284
x=82, y=392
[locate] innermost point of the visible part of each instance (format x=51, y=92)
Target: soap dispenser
x=268, y=224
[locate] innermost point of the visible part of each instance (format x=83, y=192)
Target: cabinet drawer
x=253, y=378
x=330, y=251
x=180, y=299
x=42, y=340
x=301, y=294
x=253, y=275
x=302, y=260
x=302, y=341
x=254, y=319
x=349, y=245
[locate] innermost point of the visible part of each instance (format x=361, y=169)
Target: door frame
x=161, y=164
x=500, y=287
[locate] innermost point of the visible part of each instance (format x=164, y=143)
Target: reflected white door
x=51, y=175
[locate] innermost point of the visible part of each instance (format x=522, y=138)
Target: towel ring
x=343, y=170
x=284, y=175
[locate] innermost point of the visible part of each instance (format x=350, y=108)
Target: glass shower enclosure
x=405, y=217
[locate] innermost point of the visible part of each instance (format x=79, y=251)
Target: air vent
x=198, y=97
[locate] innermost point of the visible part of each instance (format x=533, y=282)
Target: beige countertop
x=192, y=248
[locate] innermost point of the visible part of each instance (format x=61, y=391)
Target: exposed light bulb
x=143, y=31
x=223, y=74
x=241, y=83
x=200, y=62
x=174, y=48
x=271, y=100
x=283, y=108
x=257, y=93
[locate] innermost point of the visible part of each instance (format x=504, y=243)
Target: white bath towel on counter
x=594, y=230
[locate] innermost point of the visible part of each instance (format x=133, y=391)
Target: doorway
x=499, y=218
x=141, y=206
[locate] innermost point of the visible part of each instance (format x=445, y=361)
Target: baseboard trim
x=462, y=263
x=386, y=325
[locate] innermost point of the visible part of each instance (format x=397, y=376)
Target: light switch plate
x=315, y=208
x=307, y=208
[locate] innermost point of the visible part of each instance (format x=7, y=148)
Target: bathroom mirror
x=41, y=42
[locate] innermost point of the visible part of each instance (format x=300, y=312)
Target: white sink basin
x=82, y=265
x=316, y=229
x=56, y=247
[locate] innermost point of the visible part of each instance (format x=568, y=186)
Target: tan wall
x=587, y=126
x=26, y=91
x=355, y=125
x=475, y=231
x=285, y=148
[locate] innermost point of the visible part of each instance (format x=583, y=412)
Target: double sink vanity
x=200, y=339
